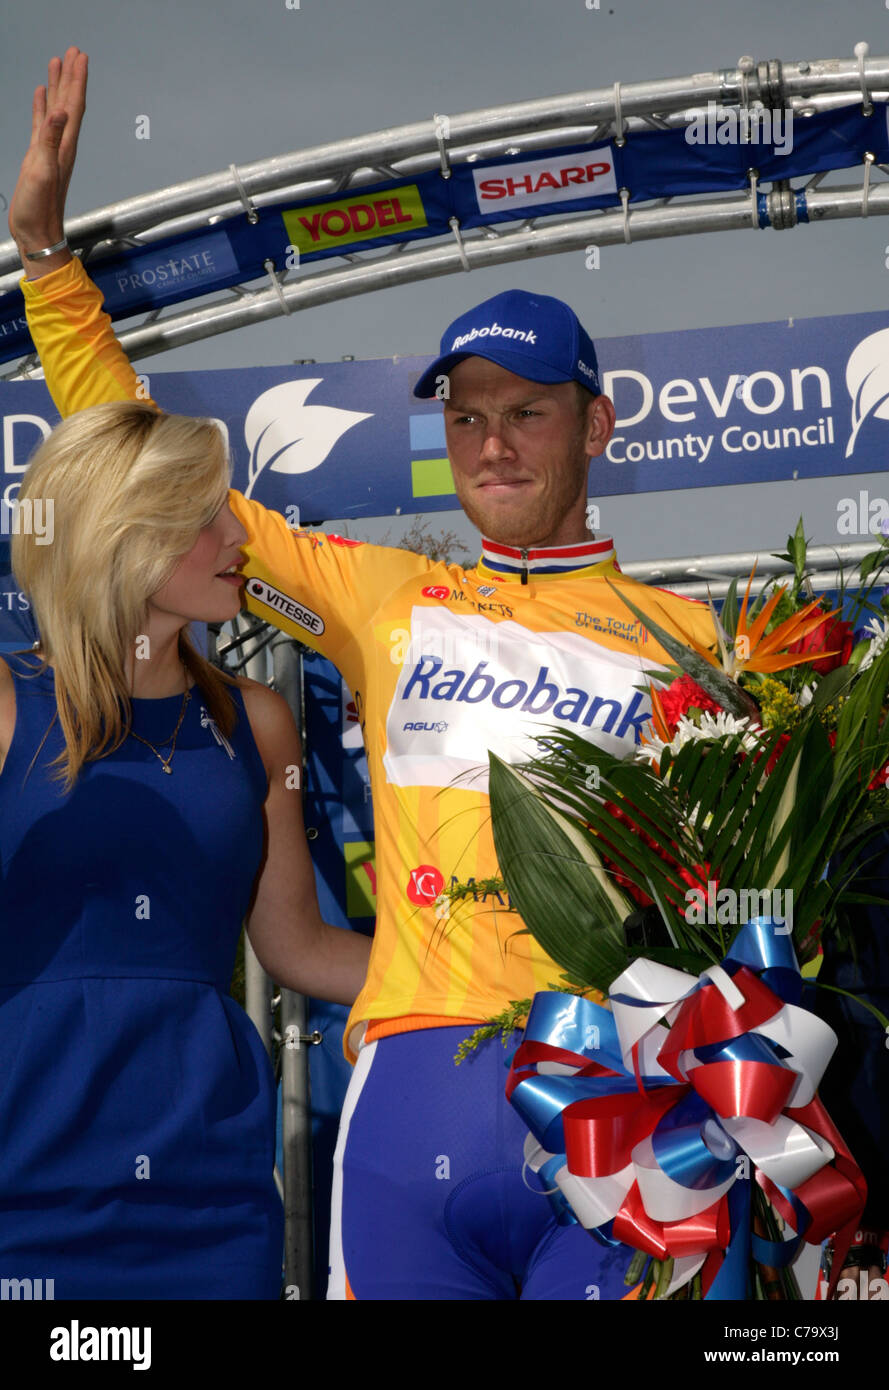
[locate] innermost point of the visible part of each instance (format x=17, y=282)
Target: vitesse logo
x=261, y=592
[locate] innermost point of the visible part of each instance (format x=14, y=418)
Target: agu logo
x=436, y=591
x=425, y=884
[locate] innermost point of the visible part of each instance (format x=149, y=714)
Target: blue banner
x=698, y=408
x=713, y=153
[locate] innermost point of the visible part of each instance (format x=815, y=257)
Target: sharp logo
x=867, y=381
x=285, y=435
x=261, y=592
x=552, y=180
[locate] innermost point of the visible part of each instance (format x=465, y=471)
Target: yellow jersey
x=444, y=664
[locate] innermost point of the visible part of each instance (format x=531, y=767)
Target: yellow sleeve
x=322, y=589
x=319, y=588
x=83, y=361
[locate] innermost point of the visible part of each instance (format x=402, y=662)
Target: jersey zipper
x=524, y=554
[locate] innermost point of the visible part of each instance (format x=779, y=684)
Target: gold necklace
x=165, y=762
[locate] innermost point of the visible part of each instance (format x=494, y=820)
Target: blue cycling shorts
x=429, y=1197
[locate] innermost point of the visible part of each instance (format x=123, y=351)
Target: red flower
x=685, y=694
x=832, y=635
x=777, y=751
x=700, y=878
x=881, y=779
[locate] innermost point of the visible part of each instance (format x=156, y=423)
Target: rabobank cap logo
x=867, y=381
x=534, y=335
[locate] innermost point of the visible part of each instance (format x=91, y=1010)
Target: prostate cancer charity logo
x=285, y=435
x=361, y=218
x=867, y=381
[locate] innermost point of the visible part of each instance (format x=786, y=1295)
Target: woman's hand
x=37, y=210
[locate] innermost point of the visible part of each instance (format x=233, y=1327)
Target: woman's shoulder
x=271, y=720
x=7, y=708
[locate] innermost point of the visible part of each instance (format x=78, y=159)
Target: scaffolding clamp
x=293, y=1038
x=252, y=214
x=861, y=52
x=454, y=225
x=269, y=267
x=865, y=187
x=619, y=138
x=624, y=194
x=753, y=176
x=442, y=135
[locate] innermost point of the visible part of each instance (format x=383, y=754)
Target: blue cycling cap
x=534, y=335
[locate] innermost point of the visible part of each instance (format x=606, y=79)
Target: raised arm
x=37, y=210
x=83, y=361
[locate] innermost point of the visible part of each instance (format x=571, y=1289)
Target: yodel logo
x=266, y=594
x=552, y=179
x=543, y=697
x=323, y=225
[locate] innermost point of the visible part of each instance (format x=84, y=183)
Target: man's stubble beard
x=526, y=531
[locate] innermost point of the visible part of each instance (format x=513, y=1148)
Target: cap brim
x=512, y=361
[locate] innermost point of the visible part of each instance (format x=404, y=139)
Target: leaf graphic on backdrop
x=285, y=435
x=867, y=381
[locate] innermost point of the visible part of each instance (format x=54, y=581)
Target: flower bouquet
x=686, y=884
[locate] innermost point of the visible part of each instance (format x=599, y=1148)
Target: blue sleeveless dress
x=137, y=1103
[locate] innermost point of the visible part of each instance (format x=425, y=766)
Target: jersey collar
x=508, y=562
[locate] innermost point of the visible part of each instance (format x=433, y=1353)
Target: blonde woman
x=148, y=804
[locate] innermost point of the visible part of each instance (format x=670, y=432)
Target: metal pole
x=297, y=1127
x=296, y=1102
x=732, y=213
x=357, y=159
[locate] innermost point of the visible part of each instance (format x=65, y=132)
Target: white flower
x=710, y=728
x=879, y=630
x=805, y=696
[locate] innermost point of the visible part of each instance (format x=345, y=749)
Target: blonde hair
x=130, y=489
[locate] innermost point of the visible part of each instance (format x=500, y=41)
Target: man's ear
x=600, y=418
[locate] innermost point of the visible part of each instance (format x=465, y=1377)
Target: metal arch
x=802, y=87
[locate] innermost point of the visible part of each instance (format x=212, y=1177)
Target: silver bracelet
x=47, y=250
